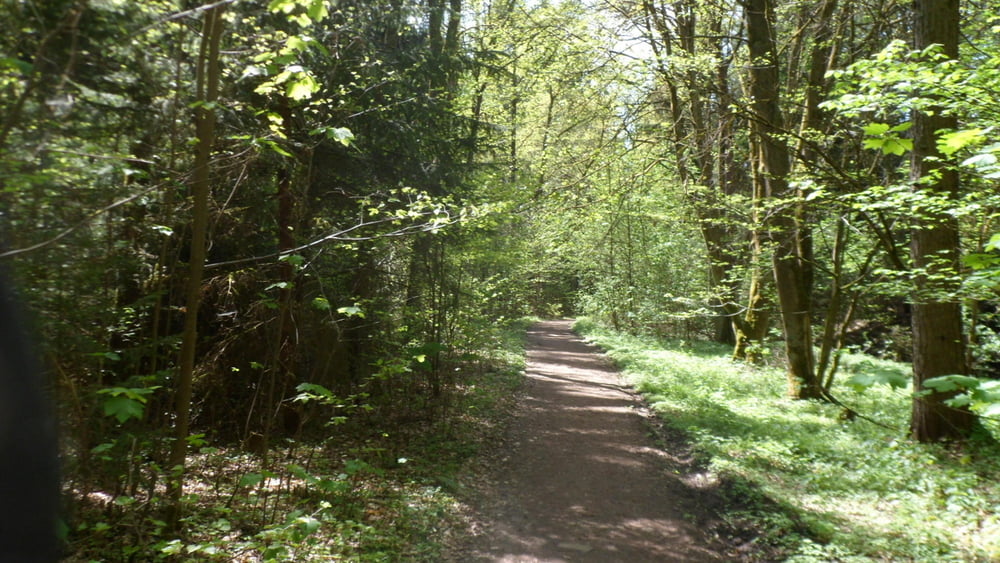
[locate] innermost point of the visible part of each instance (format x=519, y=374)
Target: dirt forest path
x=581, y=479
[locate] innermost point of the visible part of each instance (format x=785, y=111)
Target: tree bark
x=706, y=179
x=787, y=231
x=938, y=336
x=207, y=92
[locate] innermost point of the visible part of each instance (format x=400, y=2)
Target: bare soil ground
x=580, y=478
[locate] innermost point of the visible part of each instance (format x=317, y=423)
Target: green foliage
x=882, y=136
x=835, y=489
x=981, y=395
x=871, y=372
x=126, y=403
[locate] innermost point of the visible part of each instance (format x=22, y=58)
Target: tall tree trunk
x=938, y=338
x=207, y=92
x=706, y=179
x=787, y=229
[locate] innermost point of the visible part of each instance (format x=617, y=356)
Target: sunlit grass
x=842, y=489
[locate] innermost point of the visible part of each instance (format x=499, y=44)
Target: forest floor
x=585, y=473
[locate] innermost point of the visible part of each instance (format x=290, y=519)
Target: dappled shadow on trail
x=583, y=480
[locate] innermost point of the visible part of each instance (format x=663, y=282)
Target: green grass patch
x=821, y=487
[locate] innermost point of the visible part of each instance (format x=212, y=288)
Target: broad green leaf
x=307, y=524
x=950, y=143
x=873, y=143
x=297, y=43
x=293, y=259
x=981, y=160
x=876, y=129
x=981, y=261
x=897, y=146
x=342, y=135
x=318, y=10
x=314, y=389
x=874, y=376
x=303, y=88
x=946, y=383
x=321, y=304
x=353, y=311
x=123, y=408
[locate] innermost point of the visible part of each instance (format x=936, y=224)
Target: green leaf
x=307, y=525
x=876, y=129
x=303, y=88
x=981, y=160
x=276, y=148
x=947, y=383
x=172, y=547
x=123, y=408
x=981, y=261
x=876, y=376
x=23, y=66
x=342, y=135
x=950, y=143
x=873, y=143
x=353, y=311
x=312, y=390
x=321, y=304
x=897, y=146
x=293, y=259
x=318, y=10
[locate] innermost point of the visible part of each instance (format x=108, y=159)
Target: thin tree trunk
x=752, y=327
x=207, y=92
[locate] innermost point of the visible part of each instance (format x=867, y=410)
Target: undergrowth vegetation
x=820, y=483
x=353, y=494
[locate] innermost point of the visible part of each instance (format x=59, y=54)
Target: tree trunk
x=938, y=338
x=786, y=228
x=752, y=327
x=207, y=92
x=707, y=180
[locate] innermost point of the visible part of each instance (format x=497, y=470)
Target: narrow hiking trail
x=581, y=478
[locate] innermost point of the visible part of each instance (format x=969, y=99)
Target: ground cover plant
x=356, y=495
x=822, y=483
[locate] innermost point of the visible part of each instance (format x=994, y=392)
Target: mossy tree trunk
x=787, y=228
